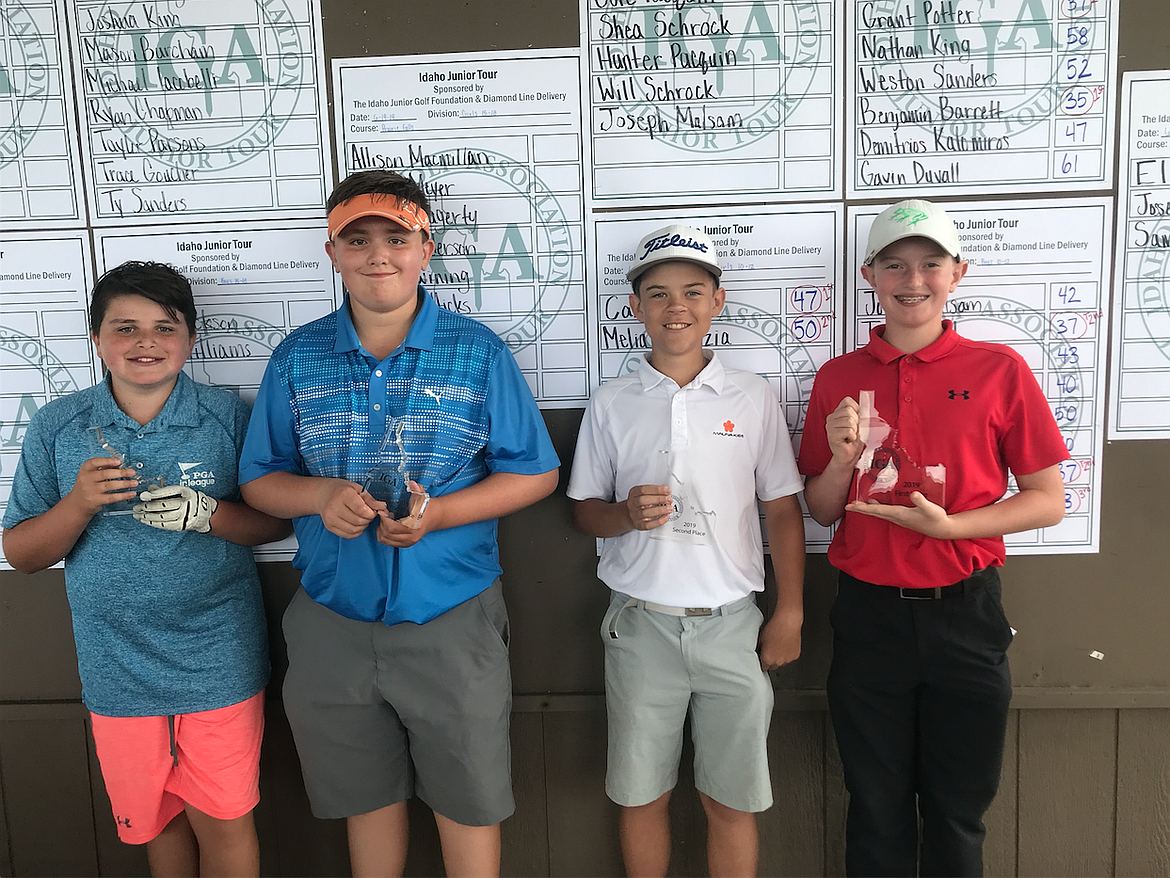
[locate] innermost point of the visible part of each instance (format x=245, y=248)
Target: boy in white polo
x=669, y=464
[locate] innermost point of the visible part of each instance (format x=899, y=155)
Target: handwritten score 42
x=1038, y=282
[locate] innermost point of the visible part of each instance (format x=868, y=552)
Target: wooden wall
x=1086, y=783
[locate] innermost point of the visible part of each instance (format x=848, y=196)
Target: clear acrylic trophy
x=886, y=472
x=124, y=507
x=390, y=481
x=689, y=521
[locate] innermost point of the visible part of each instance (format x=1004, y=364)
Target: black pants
x=919, y=691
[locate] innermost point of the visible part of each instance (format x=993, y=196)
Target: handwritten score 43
x=1139, y=386
x=980, y=96
x=1038, y=282
x=201, y=111
x=782, y=272
x=712, y=101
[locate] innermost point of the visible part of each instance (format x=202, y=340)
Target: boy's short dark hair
x=378, y=183
x=162, y=284
x=636, y=283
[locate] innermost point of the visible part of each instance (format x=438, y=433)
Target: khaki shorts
x=661, y=667
x=383, y=712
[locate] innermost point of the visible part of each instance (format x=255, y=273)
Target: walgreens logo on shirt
x=728, y=430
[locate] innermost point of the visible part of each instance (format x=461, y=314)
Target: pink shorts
x=211, y=761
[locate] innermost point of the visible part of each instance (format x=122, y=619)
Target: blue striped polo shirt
x=323, y=409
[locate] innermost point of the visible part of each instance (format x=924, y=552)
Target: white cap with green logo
x=912, y=218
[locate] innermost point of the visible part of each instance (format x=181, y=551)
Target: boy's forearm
x=597, y=518
x=37, y=543
x=827, y=492
x=239, y=523
x=785, y=526
x=1039, y=503
x=283, y=495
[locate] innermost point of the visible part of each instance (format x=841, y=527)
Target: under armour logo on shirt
x=953, y=394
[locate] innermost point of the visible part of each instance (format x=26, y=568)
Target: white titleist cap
x=671, y=243
x=911, y=219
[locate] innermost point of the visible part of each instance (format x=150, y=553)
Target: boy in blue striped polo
x=398, y=680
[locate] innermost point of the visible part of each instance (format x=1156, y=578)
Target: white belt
x=661, y=608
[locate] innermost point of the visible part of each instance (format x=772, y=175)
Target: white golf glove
x=176, y=507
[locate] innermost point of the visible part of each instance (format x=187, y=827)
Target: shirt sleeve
x=594, y=476
x=518, y=440
x=35, y=487
x=814, y=442
x=271, y=442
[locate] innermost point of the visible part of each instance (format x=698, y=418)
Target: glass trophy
x=390, y=481
x=689, y=522
x=124, y=507
x=886, y=473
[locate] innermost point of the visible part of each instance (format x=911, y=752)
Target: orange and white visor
x=401, y=210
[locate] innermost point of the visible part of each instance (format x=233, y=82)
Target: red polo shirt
x=972, y=406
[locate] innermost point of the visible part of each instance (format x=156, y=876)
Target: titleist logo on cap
x=671, y=241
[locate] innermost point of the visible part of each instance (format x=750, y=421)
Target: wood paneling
x=525, y=833
x=1143, y=792
x=1067, y=776
x=792, y=831
x=45, y=767
x=582, y=822
x=999, y=850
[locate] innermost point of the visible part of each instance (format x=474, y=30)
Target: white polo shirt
x=728, y=426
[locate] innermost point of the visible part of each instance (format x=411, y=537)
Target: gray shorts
x=661, y=667
x=383, y=712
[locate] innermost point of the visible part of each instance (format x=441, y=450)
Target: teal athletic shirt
x=165, y=622
x=322, y=410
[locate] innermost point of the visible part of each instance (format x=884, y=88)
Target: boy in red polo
x=907, y=444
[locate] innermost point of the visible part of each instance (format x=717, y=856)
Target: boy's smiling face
x=380, y=263
x=676, y=302
x=912, y=279
x=143, y=347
